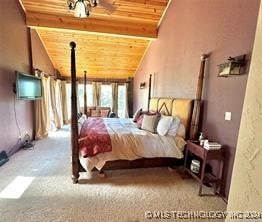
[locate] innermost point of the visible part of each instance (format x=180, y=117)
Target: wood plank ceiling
x=110, y=43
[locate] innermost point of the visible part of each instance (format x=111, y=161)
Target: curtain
x=126, y=105
x=56, y=108
x=58, y=94
x=77, y=98
x=42, y=113
x=114, y=98
x=64, y=102
x=96, y=93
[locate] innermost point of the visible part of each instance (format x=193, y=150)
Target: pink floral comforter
x=94, y=138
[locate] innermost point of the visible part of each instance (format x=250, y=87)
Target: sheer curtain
x=64, y=102
x=115, y=98
x=96, y=93
x=56, y=103
x=77, y=97
x=58, y=91
x=42, y=111
x=55, y=116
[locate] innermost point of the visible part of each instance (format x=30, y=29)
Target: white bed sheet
x=130, y=143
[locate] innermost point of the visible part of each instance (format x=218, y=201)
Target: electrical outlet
x=228, y=116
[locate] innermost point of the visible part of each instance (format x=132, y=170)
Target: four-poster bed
x=186, y=109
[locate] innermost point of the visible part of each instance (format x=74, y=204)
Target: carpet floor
x=124, y=195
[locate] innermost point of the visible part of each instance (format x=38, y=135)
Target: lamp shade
x=80, y=9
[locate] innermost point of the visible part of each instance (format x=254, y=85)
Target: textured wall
x=220, y=27
x=40, y=58
x=246, y=186
x=14, y=56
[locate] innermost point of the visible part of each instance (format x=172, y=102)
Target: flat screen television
x=28, y=87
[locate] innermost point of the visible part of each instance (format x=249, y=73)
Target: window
x=122, y=101
x=89, y=95
x=106, y=96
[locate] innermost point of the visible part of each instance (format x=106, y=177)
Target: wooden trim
x=92, y=25
x=85, y=97
x=149, y=91
x=74, y=124
x=197, y=101
x=130, y=96
x=90, y=80
x=163, y=14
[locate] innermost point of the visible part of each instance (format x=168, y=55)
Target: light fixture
x=82, y=8
x=142, y=85
x=234, y=66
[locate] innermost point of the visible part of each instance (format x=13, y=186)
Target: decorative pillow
x=181, y=131
x=174, y=126
x=104, y=112
x=137, y=114
x=139, y=121
x=81, y=121
x=149, y=123
x=95, y=113
x=164, y=125
x=89, y=108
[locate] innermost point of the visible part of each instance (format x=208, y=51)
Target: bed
x=158, y=151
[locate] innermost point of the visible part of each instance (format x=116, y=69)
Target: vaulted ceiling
x=110, y=43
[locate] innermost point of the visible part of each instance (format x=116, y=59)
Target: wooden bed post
x=197, y=101
x=74, y=124
x=85, y=103
x=149, y=91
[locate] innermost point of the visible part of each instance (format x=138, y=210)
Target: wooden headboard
x=182, y=108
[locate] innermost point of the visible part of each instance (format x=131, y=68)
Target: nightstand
x=194, y=151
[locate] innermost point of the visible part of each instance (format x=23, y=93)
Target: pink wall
x=15, y=56
x=220, y=27
x=40, y=57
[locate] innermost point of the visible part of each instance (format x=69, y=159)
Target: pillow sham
x=139, y=121
x=149, y=123
x=164, y=125
x=95, y=113
x=174, y=126
x=81, y=121
x=137, y=114
x=104, y=112
x=181, y=131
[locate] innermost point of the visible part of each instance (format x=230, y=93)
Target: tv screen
x=28, y=87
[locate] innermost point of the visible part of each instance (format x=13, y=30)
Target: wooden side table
x=193, y=148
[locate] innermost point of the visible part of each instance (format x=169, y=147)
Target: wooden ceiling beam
x=111, y=27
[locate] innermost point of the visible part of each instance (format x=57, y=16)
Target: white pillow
x=181, y=131
x=137, y=114
x=164, y=125
x=81, y=121
x=174, y=126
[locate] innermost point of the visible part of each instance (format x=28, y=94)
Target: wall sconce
x=142, y=85
x=234, y=66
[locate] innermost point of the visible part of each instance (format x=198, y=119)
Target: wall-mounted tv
x=28, y=87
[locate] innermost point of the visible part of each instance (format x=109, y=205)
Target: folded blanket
x=94, y=138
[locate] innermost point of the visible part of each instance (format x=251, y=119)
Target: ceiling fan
x=83, y=8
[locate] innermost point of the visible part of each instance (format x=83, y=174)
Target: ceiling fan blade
x=110, y=7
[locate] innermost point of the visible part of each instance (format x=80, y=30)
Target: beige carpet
x=124, y=196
